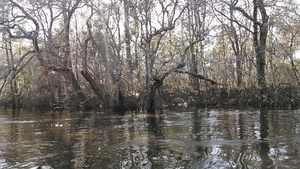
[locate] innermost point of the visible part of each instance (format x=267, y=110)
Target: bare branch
x=34, y=34
x=75, y=6
x=19, y=67
x=27, y=15
x=241, y=10
x=171, y=24
x=192, y=44
x=234, y=20
x=198, y=76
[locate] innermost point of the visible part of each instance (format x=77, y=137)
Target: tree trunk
x=12, y=68
x=94, y=85
x=260, y=44
x=120, y=105
x=80, y=95
x=151, y=105
x=127, y=36
x=67, y=14
x=294, y=65
x=260, y=32
x=15, y=95
x=194, y=69
x=236, y=48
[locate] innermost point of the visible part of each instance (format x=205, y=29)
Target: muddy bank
x=274, y=98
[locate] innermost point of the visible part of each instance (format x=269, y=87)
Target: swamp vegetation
x=145, y=55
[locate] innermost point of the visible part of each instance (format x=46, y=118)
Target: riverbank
x=273, y=98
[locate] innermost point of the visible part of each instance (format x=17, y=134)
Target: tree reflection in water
x=264, y=145
x=205, y=138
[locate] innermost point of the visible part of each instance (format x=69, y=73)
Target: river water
x=194, y=138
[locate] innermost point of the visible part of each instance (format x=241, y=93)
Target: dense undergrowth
x=271, y=98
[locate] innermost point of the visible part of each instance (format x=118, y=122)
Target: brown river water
x=171, y=139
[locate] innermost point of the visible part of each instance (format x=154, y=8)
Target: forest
x=149, y=54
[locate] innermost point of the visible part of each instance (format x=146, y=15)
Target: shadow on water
x=194, y=138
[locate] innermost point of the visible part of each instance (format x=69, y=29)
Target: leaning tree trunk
x=85, y=72
x=80, y=95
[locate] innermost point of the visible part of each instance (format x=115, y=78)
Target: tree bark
x=260, y=43
x=194, y=69
x=236, y=48
x=152, y=93
x=127, y=36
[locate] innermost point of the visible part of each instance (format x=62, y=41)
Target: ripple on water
x=17, y=122
x=200, y=139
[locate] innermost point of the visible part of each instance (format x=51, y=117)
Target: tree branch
x=171, y=24
x=34, y=34
x=234, y=20
x=198, y=76
x=242, y=11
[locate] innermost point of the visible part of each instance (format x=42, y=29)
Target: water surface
x=196, y=138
